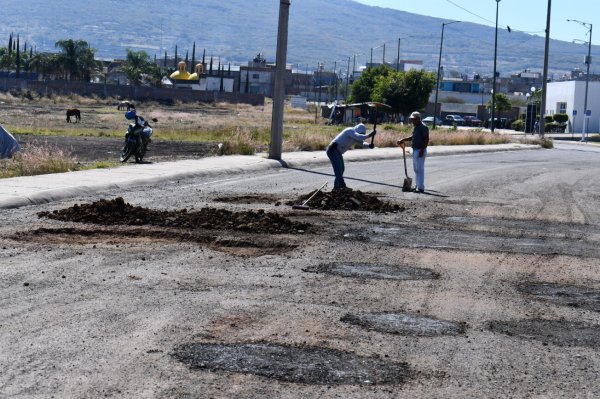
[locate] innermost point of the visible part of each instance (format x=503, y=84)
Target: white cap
x=415, y=115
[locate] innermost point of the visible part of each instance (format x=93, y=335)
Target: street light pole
x=588, y=61
x=493, y=122
x=437, y=83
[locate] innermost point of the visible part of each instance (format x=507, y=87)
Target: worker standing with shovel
x=420, y=141
x=342, y=143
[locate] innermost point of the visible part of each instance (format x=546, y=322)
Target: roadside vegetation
x=237, y=128
x=41, y=159
x=542, y=142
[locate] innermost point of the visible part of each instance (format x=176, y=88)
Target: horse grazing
x=126, y=105
x=75, y=113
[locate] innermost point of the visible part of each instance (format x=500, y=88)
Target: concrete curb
x=35, y=190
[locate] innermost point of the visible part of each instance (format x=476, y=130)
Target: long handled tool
x=372, y=144
x=407, y=186
x=305, y=207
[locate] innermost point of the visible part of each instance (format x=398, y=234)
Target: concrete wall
x=130, y=92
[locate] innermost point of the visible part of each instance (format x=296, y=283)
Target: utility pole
x=493, y=122
x=347, y=81
x=588, y=61
x=336, y=80
x=275, y=148
x=398, y=59
x=383, y=58
x=545, y=74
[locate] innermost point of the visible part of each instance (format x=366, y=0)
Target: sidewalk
x=34, y=190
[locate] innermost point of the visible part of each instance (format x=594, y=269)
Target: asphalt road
x=485, y=286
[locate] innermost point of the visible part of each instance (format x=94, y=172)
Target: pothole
x=118, y=212
x=305, y=365
x=556, y=332
x=368, y=270
x=405, y=324
x=566, y=295
x=346, y=199
x=254, y=245
x=250, y=199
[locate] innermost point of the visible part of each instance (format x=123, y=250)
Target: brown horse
x=75, y=113
x=126, y=105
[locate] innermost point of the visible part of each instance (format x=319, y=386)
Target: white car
x=429, y=121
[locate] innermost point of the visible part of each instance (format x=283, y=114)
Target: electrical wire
x=491, y=22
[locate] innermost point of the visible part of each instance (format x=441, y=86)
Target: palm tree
x=76, y=58
x=137, y=64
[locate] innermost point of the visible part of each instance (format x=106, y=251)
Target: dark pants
x=337, y=161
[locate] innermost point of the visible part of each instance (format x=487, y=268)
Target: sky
x=523, y=15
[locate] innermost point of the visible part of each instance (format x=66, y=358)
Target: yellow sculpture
x=181, y=73
x=199, y=71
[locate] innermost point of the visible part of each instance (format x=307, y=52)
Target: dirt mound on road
x=118, y=212
x=346, y=199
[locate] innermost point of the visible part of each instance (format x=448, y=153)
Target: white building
x=567, y=97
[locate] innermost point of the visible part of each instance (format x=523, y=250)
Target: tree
x=502, y=102
x=362, y=88
x=193, y=66
x=77, y=59
x=405, y=92
x=137, y=64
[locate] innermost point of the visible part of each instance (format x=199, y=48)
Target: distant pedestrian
x=536, y=126
x=342, y=143
x=420, y=141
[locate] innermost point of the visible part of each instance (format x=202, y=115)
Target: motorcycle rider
x=139, y=124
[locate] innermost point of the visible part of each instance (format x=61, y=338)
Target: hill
x=319, y=31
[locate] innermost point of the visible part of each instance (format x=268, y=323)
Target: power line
x=487, y=20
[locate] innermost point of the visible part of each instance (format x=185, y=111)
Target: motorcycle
x=137, y=139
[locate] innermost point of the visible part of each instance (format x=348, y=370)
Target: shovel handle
x=315, y=193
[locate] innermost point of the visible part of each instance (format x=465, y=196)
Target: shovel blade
x=407, y=186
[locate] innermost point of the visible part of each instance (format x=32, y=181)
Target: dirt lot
x=99, y=135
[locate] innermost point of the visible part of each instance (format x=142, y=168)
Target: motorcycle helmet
x=130, y=115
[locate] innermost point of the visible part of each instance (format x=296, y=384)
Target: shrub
x=560, y=118
x=545, y=143
x=518, y=125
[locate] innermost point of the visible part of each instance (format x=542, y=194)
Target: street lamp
x=588, y=61
x=494, y=77
x=437, y=83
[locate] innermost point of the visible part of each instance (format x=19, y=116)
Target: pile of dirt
x=118, y=212
x=346, y=199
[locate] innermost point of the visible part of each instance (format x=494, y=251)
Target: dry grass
x=37, y=159
x=544, y=143
x=468, y=137
x=241, y=128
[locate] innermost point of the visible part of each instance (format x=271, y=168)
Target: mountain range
x=329, y=32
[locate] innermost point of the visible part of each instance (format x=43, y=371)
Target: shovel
x=305, y=207
x=407, y=186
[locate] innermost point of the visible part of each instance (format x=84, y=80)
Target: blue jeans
x=337, y=161
x=419, y=168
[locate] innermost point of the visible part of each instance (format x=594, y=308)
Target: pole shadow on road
x=429, y=192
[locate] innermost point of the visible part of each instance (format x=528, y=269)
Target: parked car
x=472, y=121
x=429, y=121
x=455, y=120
